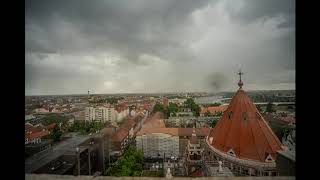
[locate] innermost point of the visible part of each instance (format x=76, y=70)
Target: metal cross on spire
x=240, y=73
x=240, y=83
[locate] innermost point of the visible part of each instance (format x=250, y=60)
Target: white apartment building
x=155, y=144
x=103, y=114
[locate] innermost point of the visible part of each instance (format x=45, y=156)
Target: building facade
x=155, y=145
x=167, y=141
x=103, y=114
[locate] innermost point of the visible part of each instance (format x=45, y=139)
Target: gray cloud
x=143, y=46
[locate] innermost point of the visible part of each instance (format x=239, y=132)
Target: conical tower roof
x=243, y=132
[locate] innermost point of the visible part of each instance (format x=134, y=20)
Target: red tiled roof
x=128, y=124
x=199, y=131
x=154, y=122
x=288, y=119
x=214, y=109
x=108, y=131
x=120, y=135
x=175, y=131
x=27, y=126
x=246, y=132
x=51, y=126
x=171, y=131
x=35, y=129
x=37, y=134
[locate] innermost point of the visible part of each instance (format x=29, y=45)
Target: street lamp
x=78, y=159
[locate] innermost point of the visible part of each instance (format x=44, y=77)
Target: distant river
x=208, y=100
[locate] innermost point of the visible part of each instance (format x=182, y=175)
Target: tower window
x=230, y=115
x=245, y=116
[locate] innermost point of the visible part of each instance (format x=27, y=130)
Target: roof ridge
x=263, y=132
x=254, y=138
x=228, y=133
x=268, y=142
x=273, y=135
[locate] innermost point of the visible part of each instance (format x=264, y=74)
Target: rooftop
x=175, y=131
x=154, y=121
x=243, y=130
x=42, y=158
x=214, y=109
x=120, y=135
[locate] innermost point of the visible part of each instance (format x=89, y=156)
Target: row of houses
x=212, y=110
x=159, y=142
x=35, y=133
x=56, y=108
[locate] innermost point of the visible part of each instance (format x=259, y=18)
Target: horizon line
x=123, y=93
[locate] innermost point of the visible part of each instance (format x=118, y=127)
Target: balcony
x=193, y=161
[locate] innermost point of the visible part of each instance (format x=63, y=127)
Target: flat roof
x=40, y=159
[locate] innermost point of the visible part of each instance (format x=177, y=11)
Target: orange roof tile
x=214, y=109
x=27, y=126
x=120, y=135
x=51, y=126
x=128, y=124
x=246, y=131
x=108, y=131
x=37, y=134
x=175, y=131
x=155, y=121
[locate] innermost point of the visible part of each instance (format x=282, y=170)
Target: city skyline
x=111, y=47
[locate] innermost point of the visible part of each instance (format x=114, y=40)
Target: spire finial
x=240, y=83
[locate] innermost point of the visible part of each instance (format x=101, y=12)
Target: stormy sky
x=130, y=46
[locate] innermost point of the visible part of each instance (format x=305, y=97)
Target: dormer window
x=230, y=115
x=245, y=116
x=210, y=140
x=231, y=152
x=269, y=158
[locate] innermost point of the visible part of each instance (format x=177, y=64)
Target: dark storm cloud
x=167, y=45
x=129, y=29
x=253, y=9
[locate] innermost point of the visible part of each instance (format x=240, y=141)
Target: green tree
x=195, y=108
x=172, y=108
x=55, y=134
x=207, y=114
x=219, y=113
x=213, y=123
x=129, y=164
x=87, y=127
x=54, y=118
x=213, y=104
x=158, y=107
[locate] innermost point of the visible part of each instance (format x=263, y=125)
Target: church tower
x=242, y=139
x=194, y=155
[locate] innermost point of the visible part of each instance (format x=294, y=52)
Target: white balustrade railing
x=245, y=162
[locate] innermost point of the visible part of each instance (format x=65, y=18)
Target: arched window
x=231, y=152
x=245, y=116
x=230, y=115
